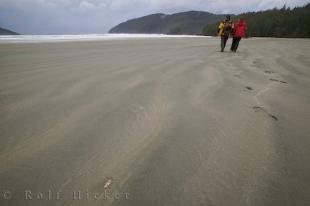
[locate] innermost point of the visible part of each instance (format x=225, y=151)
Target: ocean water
x=83, y=37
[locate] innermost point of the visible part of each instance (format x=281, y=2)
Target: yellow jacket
x=225, y=28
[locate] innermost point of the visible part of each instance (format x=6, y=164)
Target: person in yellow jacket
x=225, y=30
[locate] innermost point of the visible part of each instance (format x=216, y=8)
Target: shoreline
x=73, y=39
x=87, y=37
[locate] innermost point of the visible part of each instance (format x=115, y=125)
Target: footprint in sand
x=238, y=76
x=269, y=72
x=261, y=109
x=276, y=80
x=248, y=89
x=258, y=63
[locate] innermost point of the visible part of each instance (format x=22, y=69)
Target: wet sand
x=155, y=122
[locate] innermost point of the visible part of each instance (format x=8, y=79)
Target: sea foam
x=83, y=37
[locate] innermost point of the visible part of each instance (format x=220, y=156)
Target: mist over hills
x=284, y=22
x=191, y=22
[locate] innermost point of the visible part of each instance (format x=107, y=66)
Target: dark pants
x=235, y=43
x=223, y=42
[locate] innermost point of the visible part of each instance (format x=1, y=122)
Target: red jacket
x=240, y=28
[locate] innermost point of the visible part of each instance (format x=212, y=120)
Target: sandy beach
x=146, y=122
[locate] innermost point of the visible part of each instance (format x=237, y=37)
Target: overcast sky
x=98, y=16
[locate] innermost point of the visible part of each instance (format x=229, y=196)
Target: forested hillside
x=191, y=22
x=7, y=32
x=283, y=22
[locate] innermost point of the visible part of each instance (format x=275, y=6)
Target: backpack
x=227, y=28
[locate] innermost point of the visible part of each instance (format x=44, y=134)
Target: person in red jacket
x=240, y=28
